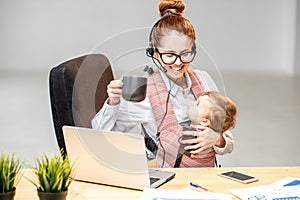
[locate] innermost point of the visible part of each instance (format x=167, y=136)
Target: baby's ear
x=205, y=122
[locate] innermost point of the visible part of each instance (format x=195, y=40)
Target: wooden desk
x=206, y=177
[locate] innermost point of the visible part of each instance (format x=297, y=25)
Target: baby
x=214, y=110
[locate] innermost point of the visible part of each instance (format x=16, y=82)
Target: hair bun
x=174, y=6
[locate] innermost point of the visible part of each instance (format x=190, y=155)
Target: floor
x=267, y=131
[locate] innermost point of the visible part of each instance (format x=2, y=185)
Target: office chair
x=77, y=92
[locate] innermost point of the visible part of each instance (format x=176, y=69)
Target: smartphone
x=237, y=176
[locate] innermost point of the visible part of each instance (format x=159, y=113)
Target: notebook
x=111, y=158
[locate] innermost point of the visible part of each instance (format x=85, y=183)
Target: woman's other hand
x=205, y=139
x=114, y=91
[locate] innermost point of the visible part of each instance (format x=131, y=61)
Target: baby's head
x=214, y=110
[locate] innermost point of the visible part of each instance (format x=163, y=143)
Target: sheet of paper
x=288, y=181
x=286, y=188
x=182, y=194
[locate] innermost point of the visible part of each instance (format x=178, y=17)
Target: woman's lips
x=177, y=68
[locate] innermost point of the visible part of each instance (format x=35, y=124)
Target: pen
x=195, y=185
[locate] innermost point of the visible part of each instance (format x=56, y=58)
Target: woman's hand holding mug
x=205, y=138
x=131, y=88
x=114, y=91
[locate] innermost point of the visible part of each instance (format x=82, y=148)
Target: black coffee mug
x=186, y=137
x=134, y=88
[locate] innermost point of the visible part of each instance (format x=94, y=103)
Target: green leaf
x=10, y=166
x=53, y=173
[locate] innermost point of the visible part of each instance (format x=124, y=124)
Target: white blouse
x=128, y=116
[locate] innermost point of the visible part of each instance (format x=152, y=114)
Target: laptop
x=111, y=158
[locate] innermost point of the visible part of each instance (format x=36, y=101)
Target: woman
x=162, y=115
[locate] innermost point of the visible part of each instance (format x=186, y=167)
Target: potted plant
x=52, y=177
x=10, y=166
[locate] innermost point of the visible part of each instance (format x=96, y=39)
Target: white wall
x=243, y=35
x=248, y=34
x=297, y=42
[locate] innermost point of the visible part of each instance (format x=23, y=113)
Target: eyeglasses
x=170, y=58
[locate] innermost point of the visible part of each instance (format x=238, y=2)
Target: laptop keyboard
x=153, y=180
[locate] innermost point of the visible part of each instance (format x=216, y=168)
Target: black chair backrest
x=78, y=91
